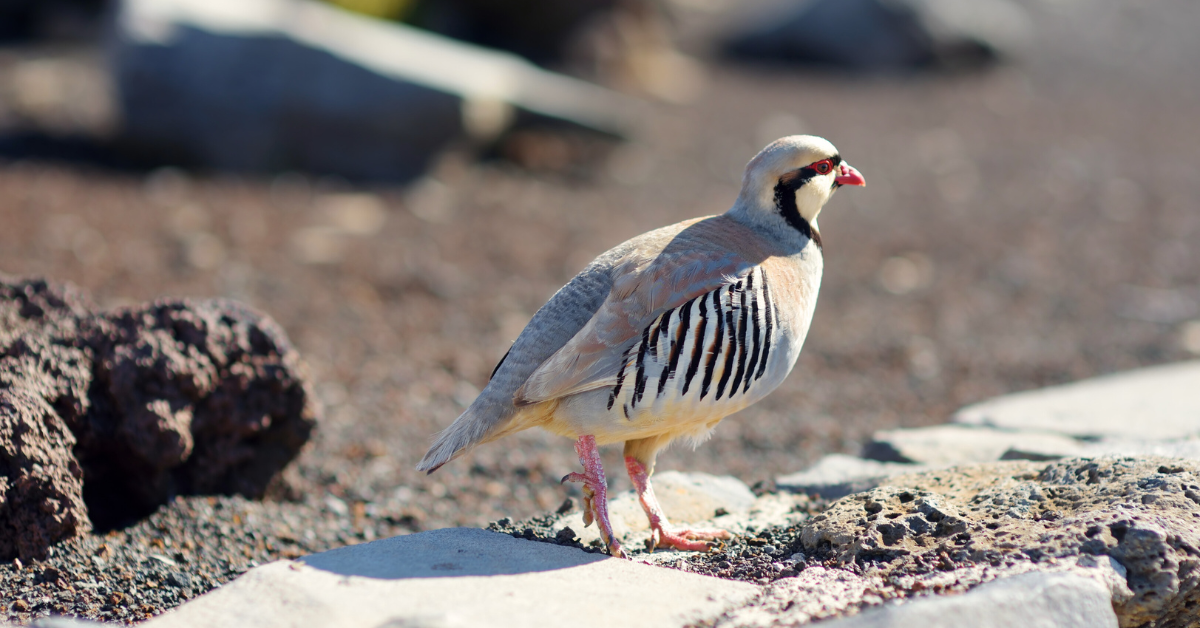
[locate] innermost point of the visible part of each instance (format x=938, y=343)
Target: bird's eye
x=823, y=167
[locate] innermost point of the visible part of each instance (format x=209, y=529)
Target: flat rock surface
x=1033, y=600
x=1152, y=403
x=944, y=445
x=838, y=475
x=1128, y=447
x=355, y=97
x=460, y=577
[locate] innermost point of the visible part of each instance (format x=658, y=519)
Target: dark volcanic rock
x=123, y=410
x=189, y=398
x=41, y=483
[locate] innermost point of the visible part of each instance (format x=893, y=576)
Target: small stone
x=179, y=580
x=50, y=574
x=566, y=536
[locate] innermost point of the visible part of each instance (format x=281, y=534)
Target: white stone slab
x=838, y=475
x=1160, y=402
x=1032, y=600
x=459, y=577
x=947, y=445
x=273, y=85
x=1189, y=449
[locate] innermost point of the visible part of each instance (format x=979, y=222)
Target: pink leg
x=595, y=492
x=661, y=533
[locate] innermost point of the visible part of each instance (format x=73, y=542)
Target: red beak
x=850, y=176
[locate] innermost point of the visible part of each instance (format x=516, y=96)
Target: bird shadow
x=448, y=553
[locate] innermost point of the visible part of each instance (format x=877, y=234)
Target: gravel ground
x=760, y=557
x=1027, y=226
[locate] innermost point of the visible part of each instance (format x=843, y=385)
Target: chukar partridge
x=667, y=334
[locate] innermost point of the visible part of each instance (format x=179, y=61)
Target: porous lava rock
x=980, y=522
x=106, y=415
x=41, y=481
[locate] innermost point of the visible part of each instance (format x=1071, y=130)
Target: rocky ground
x=1128, y=523
x=181, y=551
x=1023, y=227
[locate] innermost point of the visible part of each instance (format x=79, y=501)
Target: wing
x=568, y=311
x=643, y=290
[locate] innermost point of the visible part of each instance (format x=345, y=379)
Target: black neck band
x=785, y=202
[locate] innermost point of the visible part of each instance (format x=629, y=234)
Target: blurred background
x=402, y=183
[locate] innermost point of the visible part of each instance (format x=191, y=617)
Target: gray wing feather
x=554, y=324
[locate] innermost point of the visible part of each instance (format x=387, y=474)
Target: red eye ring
x=825, y=166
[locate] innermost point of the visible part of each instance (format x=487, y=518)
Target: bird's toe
x=686, y=539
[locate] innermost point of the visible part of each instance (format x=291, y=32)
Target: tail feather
x=486, y=420
x=466, y=432
x=482, y=423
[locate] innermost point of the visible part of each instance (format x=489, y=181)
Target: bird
x=666, y=334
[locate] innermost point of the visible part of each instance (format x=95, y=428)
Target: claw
x=573, y=477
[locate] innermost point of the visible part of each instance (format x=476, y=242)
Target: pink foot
x=661, y=532
x=595, y=493
x=687, y=539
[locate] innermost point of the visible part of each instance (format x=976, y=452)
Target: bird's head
x=791, y=180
